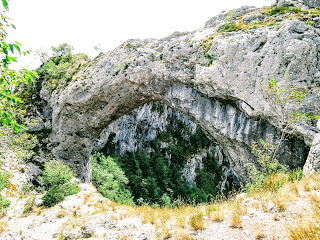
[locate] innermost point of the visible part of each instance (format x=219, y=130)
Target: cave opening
x=156, y=155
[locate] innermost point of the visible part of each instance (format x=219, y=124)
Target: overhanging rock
x=215, y=79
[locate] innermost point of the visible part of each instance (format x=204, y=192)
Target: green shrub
x=4, y=179
x=56, y=173
x=58, y=71
x=57, y=193
x=268, y=166
x=28, y=206
x=228, y=27
x=109, y=179
x=4, y=203
x=4, y=182
x=284, y=10
x=56, y=177
x=53, y=196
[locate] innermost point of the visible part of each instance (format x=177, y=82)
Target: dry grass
x=174, y=223
x=280, y=203
x=215, y=212
x=61, y=214
x=311, y=182
x=3, y=225
x=258, y=233
x=197, y=221
x=182, y=235
x=308, y=226
x=306, y=229
x=29, y=206
x=166, y=233
x=237, y=211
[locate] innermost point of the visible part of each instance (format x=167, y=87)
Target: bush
x=4, y=182
x=58, y=71
x=228, y=27
x=57, y=193
x=270, y=174
x=4, y=179
x=109, y=179
x=57, y=178
x=56, y=173
x=4, y=203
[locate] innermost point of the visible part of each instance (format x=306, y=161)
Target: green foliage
x=228, y=27
x=284, y=96
x=211, y=59
x=4, y=179
x=58, y=71
x=56, y=177
x=57, y=193
x=121, y=67
x=4, y=182
x=269, y=168
x=157, y=107
x=109, y=179
x=156, y=179
x=263, y=151
x=62, y=49
x=56, y=173
x=284, y=10
x=4, y=203
x=295, y=175
x=10, y=77
x=267, y=165
x=209, y=176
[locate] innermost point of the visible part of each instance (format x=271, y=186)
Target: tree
x=9, y=77
x=62, y=49
x=284, y=97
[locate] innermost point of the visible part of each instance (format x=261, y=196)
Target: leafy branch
x=285, y=97
x=10, y=78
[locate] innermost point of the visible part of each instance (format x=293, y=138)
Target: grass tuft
x=237, y=210
x=197, y=221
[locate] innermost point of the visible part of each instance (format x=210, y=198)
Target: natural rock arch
x=224, y=97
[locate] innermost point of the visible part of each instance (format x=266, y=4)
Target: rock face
x=306, y=4
x=313, y=161
x=215, y=79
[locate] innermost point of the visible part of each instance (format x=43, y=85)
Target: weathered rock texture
x=306, y=4
x=216, y=80
x=313, y=161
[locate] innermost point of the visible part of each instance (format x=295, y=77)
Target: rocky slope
x=87, y=215
x=215, y=76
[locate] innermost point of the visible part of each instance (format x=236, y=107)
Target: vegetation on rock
x=56, y=177
x=4, y=182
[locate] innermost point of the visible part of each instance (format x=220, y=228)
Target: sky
x=84, y=24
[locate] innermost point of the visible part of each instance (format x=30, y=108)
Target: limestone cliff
x=214, y=76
